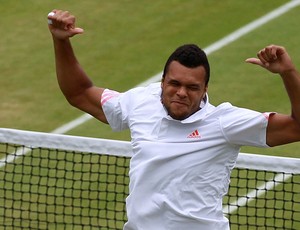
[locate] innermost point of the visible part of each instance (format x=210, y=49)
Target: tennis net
x=52, y=181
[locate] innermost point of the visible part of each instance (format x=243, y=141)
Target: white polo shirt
x=180, y=170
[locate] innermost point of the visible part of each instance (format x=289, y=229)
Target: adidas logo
x=194, y=134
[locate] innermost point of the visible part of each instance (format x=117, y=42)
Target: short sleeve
x=115, y=113
x=118, y=107
x=245, y=127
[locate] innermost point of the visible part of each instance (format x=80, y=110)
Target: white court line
x=252, y=195
x=210, y=49
x=232, y=207
x=13, y=156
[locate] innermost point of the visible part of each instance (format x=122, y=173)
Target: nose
x=181, y=92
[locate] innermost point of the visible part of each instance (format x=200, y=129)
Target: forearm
x=282, y=128
x=291, y=80
x=73, y=81
x=71, y=78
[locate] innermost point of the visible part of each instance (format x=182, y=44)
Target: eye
x=174, y=83
x=194, y=87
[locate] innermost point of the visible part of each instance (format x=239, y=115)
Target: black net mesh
x=56, y=189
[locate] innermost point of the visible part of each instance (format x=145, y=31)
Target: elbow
x=76, y=98
x=74, y=101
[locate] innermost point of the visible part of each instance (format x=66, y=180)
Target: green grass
x=125, y=43
x=277, y=202
x=64, y=190
x=251, y=87
x=55, y=189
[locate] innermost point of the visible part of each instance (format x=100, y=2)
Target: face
x=183, y=89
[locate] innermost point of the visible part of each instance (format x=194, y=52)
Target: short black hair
x=191, y=56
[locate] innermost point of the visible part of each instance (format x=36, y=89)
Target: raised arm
x=282, y=129
x=73, y=81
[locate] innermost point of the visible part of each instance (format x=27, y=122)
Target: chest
x=150, y=122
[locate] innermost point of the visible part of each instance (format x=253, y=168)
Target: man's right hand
x=62, y=25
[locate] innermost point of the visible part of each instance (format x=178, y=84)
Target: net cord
x=123, y=148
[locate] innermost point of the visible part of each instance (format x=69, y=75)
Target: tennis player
x=184, y=147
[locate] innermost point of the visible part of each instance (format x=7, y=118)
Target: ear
x=205, y=92
x=162, y=82
x=206, y=88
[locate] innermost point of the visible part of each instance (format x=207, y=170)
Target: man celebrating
x=184, y=147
